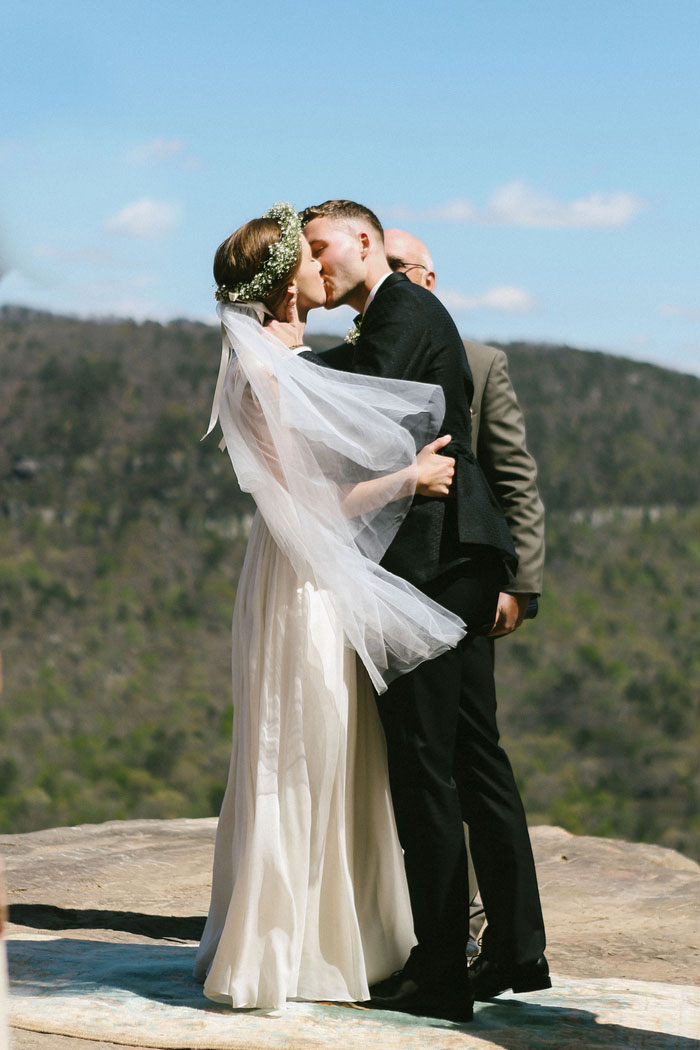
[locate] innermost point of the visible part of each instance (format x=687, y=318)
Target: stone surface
x=613, y=909
x=618, y=909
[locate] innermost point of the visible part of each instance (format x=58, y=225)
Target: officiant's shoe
x=405, y=992
x=488, y=979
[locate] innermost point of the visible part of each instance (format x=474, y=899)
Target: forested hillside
x=121, y=539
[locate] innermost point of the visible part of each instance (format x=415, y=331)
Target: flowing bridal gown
x=309, y=897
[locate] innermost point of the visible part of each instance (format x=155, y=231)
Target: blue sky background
x=547, y=151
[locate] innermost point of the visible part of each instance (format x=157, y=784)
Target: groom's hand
x=435, y=472
x=510, y=613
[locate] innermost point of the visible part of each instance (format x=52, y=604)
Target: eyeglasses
x=398, y=266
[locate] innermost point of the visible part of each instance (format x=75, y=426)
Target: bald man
x=498, y=440
x=513, y=942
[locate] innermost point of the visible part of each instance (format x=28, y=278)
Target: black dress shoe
x=391, y=985
x=488, y=979
x=449, y=999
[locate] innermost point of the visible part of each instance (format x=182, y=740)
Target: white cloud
x=454, y=211
x=686, y=313
x=517, y=204
x=146, y=219
x=157, y=149
x=505, y=299
x=163, y=151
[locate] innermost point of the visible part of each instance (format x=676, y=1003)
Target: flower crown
x=283, y=254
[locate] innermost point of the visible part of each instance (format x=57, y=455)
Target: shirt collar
x=376, y=288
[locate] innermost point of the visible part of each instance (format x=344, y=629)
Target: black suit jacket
x=407, y=333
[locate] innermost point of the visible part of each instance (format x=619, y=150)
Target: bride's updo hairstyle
x=258, y=261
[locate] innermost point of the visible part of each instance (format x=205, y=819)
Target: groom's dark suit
x=445, y=764
x=407, y=334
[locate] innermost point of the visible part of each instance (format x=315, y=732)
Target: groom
x=445, y=764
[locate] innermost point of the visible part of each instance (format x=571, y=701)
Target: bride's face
x=311, y=291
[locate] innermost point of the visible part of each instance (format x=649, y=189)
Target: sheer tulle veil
x=329, y=458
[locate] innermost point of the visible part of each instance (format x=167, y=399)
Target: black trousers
x=445, y=767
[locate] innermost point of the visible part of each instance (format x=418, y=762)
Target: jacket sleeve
x=512, y=474
x=338, y=357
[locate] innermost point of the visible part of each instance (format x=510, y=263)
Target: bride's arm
x=430, y=475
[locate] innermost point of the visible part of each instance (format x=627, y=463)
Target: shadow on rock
x=162, y=927
x=516, y=1025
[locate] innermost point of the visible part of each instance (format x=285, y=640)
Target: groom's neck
x=376, y=269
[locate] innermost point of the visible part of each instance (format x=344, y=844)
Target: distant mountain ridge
x=121, y=541
x=603, y=429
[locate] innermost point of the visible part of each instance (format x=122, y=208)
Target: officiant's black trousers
x=445, y=767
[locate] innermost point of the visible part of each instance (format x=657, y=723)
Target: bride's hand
x=435, y=472
x=291, y=330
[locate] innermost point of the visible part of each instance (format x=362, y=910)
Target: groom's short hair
x=342, y=210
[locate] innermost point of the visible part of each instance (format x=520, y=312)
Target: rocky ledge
x=613, y=909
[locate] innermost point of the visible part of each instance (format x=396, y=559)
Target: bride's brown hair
x=244, y=253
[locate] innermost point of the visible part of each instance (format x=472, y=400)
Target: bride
x=309, y=898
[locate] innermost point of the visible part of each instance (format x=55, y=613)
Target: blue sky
x=547, y=151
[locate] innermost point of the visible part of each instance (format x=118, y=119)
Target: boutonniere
x=354, y=332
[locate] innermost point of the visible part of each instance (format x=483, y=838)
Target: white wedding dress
x=309, y=896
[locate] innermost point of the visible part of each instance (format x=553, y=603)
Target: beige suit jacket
x=498, y=441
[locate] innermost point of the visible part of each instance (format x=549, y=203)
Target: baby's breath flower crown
x=282, y=256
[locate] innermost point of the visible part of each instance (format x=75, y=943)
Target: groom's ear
x=365, y=243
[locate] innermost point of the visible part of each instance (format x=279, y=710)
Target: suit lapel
x=392, y=279
x=389, y=282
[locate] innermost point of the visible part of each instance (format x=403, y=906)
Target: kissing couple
x=364, y=731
